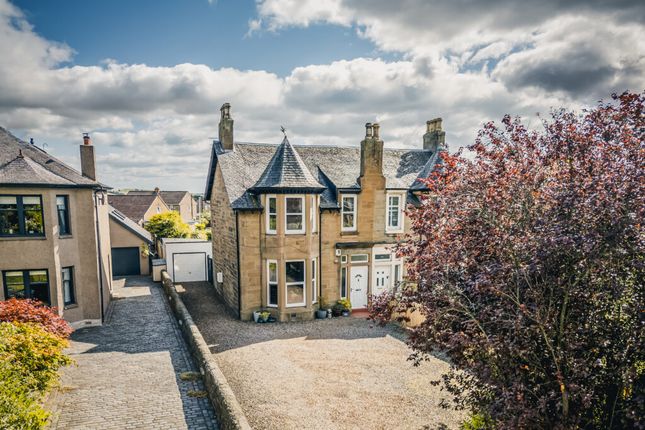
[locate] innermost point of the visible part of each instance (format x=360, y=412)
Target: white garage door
x=189, y=267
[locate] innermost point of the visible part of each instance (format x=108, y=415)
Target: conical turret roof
x=286, y=172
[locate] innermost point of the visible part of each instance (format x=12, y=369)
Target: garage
x=187, y=260
x=125, y=261
x=189, y=267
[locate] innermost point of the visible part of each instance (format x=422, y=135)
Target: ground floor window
x=27, y=284
x=343, y=282
x=69, y=297
x=295, y=283
x=272, y=283
x=314, y=283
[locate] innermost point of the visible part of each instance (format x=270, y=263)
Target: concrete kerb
x=229, y=411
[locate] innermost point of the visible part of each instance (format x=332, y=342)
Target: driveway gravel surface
x=341, y=373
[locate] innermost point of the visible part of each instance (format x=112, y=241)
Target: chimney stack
x=372, y=151
x=88, y=160
x=435, y=138
x=156, y=190
x=226, y=127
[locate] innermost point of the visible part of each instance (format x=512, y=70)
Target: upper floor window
x=394, y=213
x=69, y=298
x=27, y=284
x=294, y=214
x=272, y=214
x=313, y=211
x=21, y=216
x=348, y=213
x=62, y=207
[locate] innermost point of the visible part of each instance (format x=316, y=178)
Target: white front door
x=381, y=279
x=358, y=287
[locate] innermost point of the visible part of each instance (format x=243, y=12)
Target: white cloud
x=153, y=125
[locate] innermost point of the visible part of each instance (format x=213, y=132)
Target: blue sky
x=169, y=32
x=146, y=78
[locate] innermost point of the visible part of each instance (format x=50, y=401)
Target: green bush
x=30, y=357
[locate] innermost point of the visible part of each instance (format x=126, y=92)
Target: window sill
x=71, y=306
x=6, y=238
x=394, y=232
x=349, y=233
x=295, y=232
x=65, y=236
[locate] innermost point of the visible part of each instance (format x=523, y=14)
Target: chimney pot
x=156, y=190
x=434, y=125
x=86, y=139
x=375, y=127
x=368, y=129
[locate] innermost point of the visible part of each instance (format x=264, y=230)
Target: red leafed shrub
x=27, y=310
x=528, y=263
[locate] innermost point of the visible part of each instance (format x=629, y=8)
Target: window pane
x=273, y=222
x=273, y=272
x=294, y=205
x=61, y=205
x=348, y=204
x=348, y=220
x=8, y=200
x=272, y=205
x=9, y=216
x=343, y=282
x=37, y=276
x=359, y=258
x=295, y=293
x=294, y=222
x=33, y=215
x=40, y=292
x=383, y=257
x=295, y=271
x=15, y=285
x=273, y=294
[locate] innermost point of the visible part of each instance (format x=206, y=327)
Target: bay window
x=21, y=216
x=348, y=213
x=295, y=283
x=272, y=214
x=294, y=215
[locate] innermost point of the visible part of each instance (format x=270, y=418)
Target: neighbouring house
x=54, y=231
x=178, y=201
x=139, y=207
x=130, y=245
x=293, y=224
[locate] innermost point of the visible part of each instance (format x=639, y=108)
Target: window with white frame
x=294, y=214
x=394, y=213
x=272, y=214
x=295, y=283
x=313, y=210
x=348, y=213
x=272, y=283
x=343, y=282
x=314, y=280
x=68, y=286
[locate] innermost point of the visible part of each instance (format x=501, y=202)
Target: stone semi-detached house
x=296, y=224
x=139, y=208
x=178, y=201
x=54, y=233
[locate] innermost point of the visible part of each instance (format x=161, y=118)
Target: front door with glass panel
x=381, y=279
x=358, y=287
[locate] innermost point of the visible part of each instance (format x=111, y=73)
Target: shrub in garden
x=528, y=263
x=27, y=310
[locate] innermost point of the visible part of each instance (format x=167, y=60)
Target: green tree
x=168, y=224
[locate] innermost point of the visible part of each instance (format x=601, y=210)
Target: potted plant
x=321, y=313
x=337, y=310
x=346, y=307
x=264, y=316
x=256, y=316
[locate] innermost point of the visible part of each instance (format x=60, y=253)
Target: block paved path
x=127, y=373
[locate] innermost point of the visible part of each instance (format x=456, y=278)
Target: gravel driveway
x=343, y=373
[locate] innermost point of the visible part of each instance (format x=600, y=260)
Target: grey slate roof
x=170, y=197
x=126, y=222
x=334, y=167
x=286, y=172
x=36, y=167
x=133, y=206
